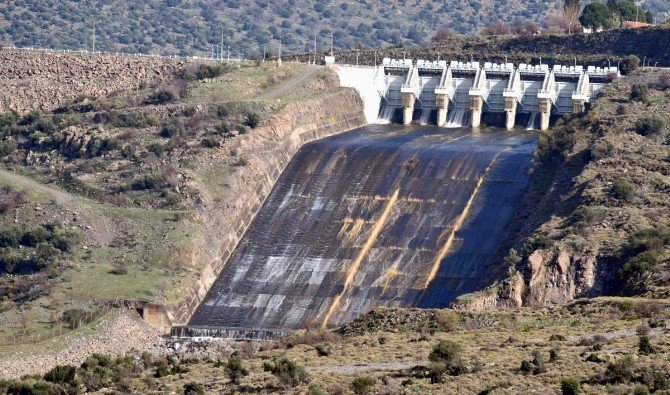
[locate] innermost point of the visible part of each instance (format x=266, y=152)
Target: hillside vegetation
x=188, y=27
x=100, y=197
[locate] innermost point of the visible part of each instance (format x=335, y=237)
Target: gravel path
x=286, y=87
x=59, y=196
x=365, y=367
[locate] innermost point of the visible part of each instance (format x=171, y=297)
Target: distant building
x=635, y=25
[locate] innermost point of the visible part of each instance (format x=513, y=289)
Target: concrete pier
x=467, y=90
x=545, y=113
x=407, y=108
x=442, y=103
x=477, y=108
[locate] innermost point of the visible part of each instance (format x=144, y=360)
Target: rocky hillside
x=188, y=27
x=46, y=81
x=135, y=195
x=649, y=44
x=595, y=220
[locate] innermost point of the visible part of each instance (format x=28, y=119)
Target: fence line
x=124, y=54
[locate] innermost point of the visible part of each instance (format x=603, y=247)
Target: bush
x=171, y=128
x=664, y=81
x=644, y=345
x=620, y=371
x=641, y=390
x=149, y=181
x=538, y=363
x=253, y=120
x=11, y=198
x=193, y=388
x=636, y=268
x=289, y=373
x=640, y=92
x=570, y=386
x=362, y=385
x=207, y=71
x=234, y=369
x=629, y=64
x=210, y=143
x=623, y=189
x=526, y=367
x=650, y=125
x=75, y=317
x=160, y=97
x=446, y=360
x=446, y=320
x=621, y=110
x=61, y=374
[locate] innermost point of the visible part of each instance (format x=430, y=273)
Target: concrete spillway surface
x=382, y=215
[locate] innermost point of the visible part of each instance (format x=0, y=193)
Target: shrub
x=538, y=363
x=253, y=120
x=160, y=97
x=362, y=385
x=74, y=318
x=637, y=267
x=289, y=373
x=62, y=374
x=623, y=189
x=649, y=125
x=620, y=371
x=234, y=369
x=640, y=92
x=171, y=128
x=553, y=355
x=570, y=386
x=601, y=149
x=664, y=81
x=644, y=345
x=149, y=181
x=193, y=388
x=641, y=390
x=207, y=71
x=621, y=110
x=210, y=143
x=11, y=198
x=447, y=320
x=629, y=64
x=446, y=358
x=526, y=367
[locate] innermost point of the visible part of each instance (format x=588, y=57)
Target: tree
x=596, y=15
x=624, y=10
x=234, y=369
x=566, y=18
x=441, y=35
x=497, y=29
x=629, y=64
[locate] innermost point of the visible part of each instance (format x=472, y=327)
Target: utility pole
x=228, y=57
x=221, y=52
x=314, y=48
x=94, y=26
x=279, y=59
x=263, y=53
x=331, y=45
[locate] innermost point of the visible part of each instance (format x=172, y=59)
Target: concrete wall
x=269, y=149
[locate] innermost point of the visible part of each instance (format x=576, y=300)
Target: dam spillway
x=380, y=216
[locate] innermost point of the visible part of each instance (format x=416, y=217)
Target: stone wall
x=268, y=150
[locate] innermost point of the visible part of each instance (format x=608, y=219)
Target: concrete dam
x=392, y=215
x=384, y=215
